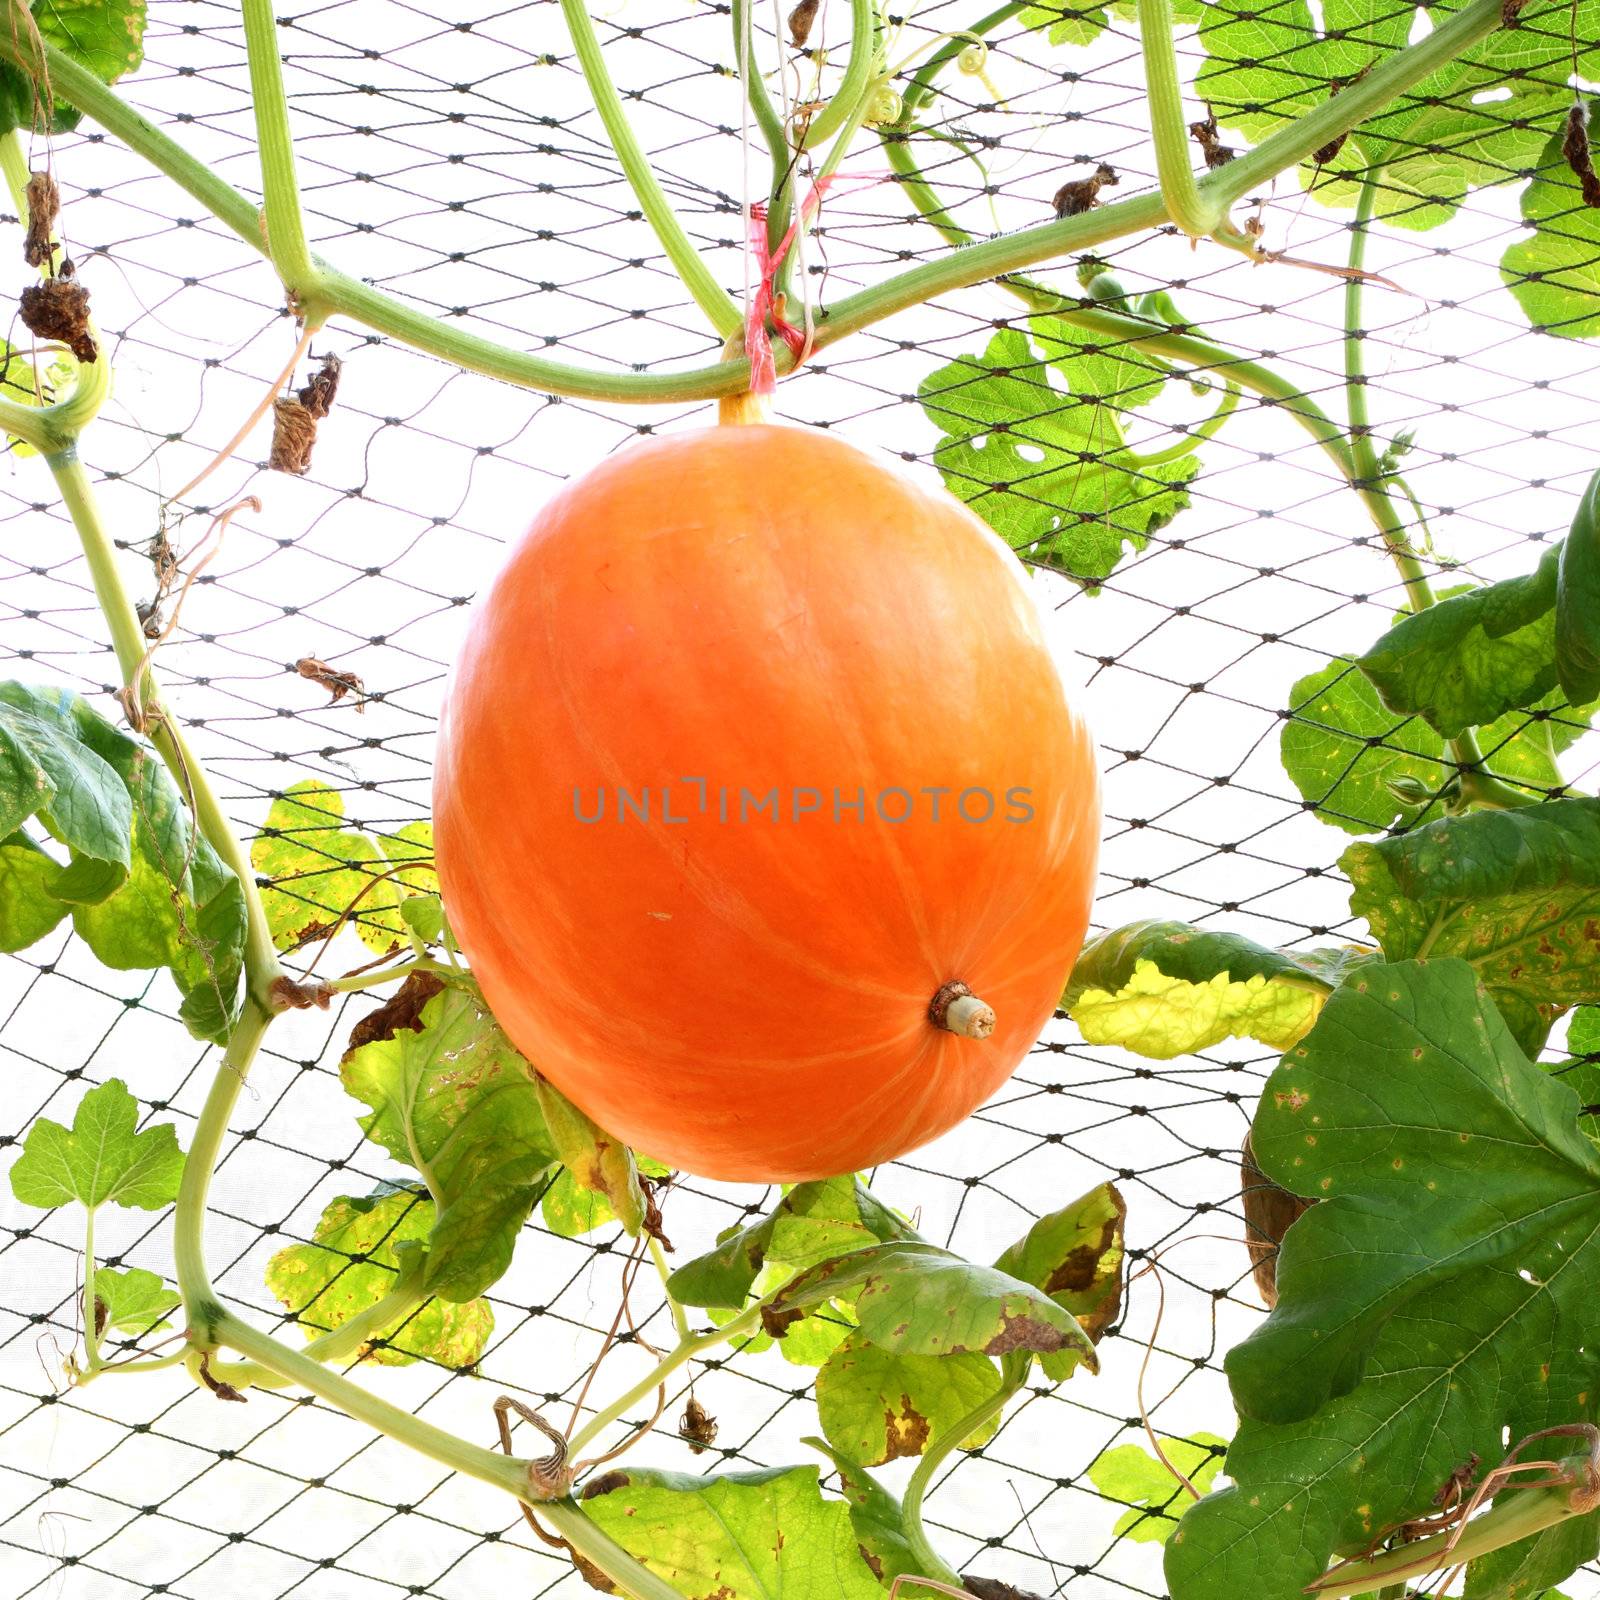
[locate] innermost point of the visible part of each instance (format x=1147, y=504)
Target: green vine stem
x=718, y=305
x=926, y=1558
x=956, y=269
x=1197, y=216
x=91, y=1318
x=858, y=71
x=283, y=222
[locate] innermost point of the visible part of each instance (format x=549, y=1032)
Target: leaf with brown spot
x=402, y=1010
x=598, y=1161
x=876, y=1406
x=739, y=1536
x=1269, y=1212
x=875, y=1515
x=1076, y=1256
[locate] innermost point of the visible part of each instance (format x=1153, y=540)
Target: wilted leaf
x=597, y=1162
x=876, y=1406
x=1517, y=893
x=132, y=1301
x=1165, y=989
x=455, y=1103
x=1076, y=1256
x=1434, y=1304
x=739, y=1536
x=101, y=1159
x=1131, y=1474
x=1471, y=658
x=356, y=1257
x=1047, y=467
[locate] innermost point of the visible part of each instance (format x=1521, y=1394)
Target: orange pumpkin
x=760, y=810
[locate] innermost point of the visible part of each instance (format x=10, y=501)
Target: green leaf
x=812, y=1222
x=596, y=1161
x=1063, y=22
x=876, y=1406
x=1433, y=1305
x=321, y=869
x=913, y=1299
x=101, y=1159
x=1517, y=893
x=145, y=888
x=423, y=914
x=876, y=1516
x=1366, y=769
x=738, y=1536
x=1165, y=989
x=1479, y=120
x=1473, y=657
x=106, y=36
x=1578, y=601
x=1049, y=467
x=1525, y=1570
x=1131, y=1474
x=572, y=1212
x=1076, y=1256
x=30, y=903
x=454, y=1101
x=1554, y=275
x=132, y=1301
x=356, y=1256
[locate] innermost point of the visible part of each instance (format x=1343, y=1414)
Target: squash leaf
x=452, y=1099
x=1479, y=120
x=876, y=1406
x=106, y=36
x=1554, y=273
x=1524, y=1571
x=1164, y=989
x=144, y=889
x=321, y=869
x=765, y=1535
x=1131, y=1474
x=102, y=1159
x=596, y=1163
x=1063, y=22
x=876, y=1516
x=357, y=1255
x=1516, y=893
x=1578, y=601
x=1472, y=657
x=1436, y=1301
x=1048, y=466
x=1366, y=769
x=132, y=1301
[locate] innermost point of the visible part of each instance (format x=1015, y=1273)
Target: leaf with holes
x=738, y=1535
x=1479, y=120
x=454, y=1101
x=102, y=1159
x=1164, y=989
x=1132, y=1475
x=1048, y=467
x=358, y=1254
x=1435, y=1303
x=106, y=36
x=1076, y=1256
x=1365, y=769
x=1554, y=274
x=1473, y=657
x=1517, y=893
x=1578, y=601
x=132, y=1302
x=876, y=1406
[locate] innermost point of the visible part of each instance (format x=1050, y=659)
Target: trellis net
x=454, y=159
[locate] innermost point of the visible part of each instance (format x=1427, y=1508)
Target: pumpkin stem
x=746, y=407
x=956, y=1008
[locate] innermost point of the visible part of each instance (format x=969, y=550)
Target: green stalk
x=959, y=269
x=679, y=1320
x=852, y=89
x=510, y=1473
x=921, y=87
x=708, y=294
x=1174, y=168
x=780, y=192
x=91, y=1334
x=287, y=248
x=685, y=1350
x=926, y=1558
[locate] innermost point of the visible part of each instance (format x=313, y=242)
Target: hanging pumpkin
x=760, y=810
